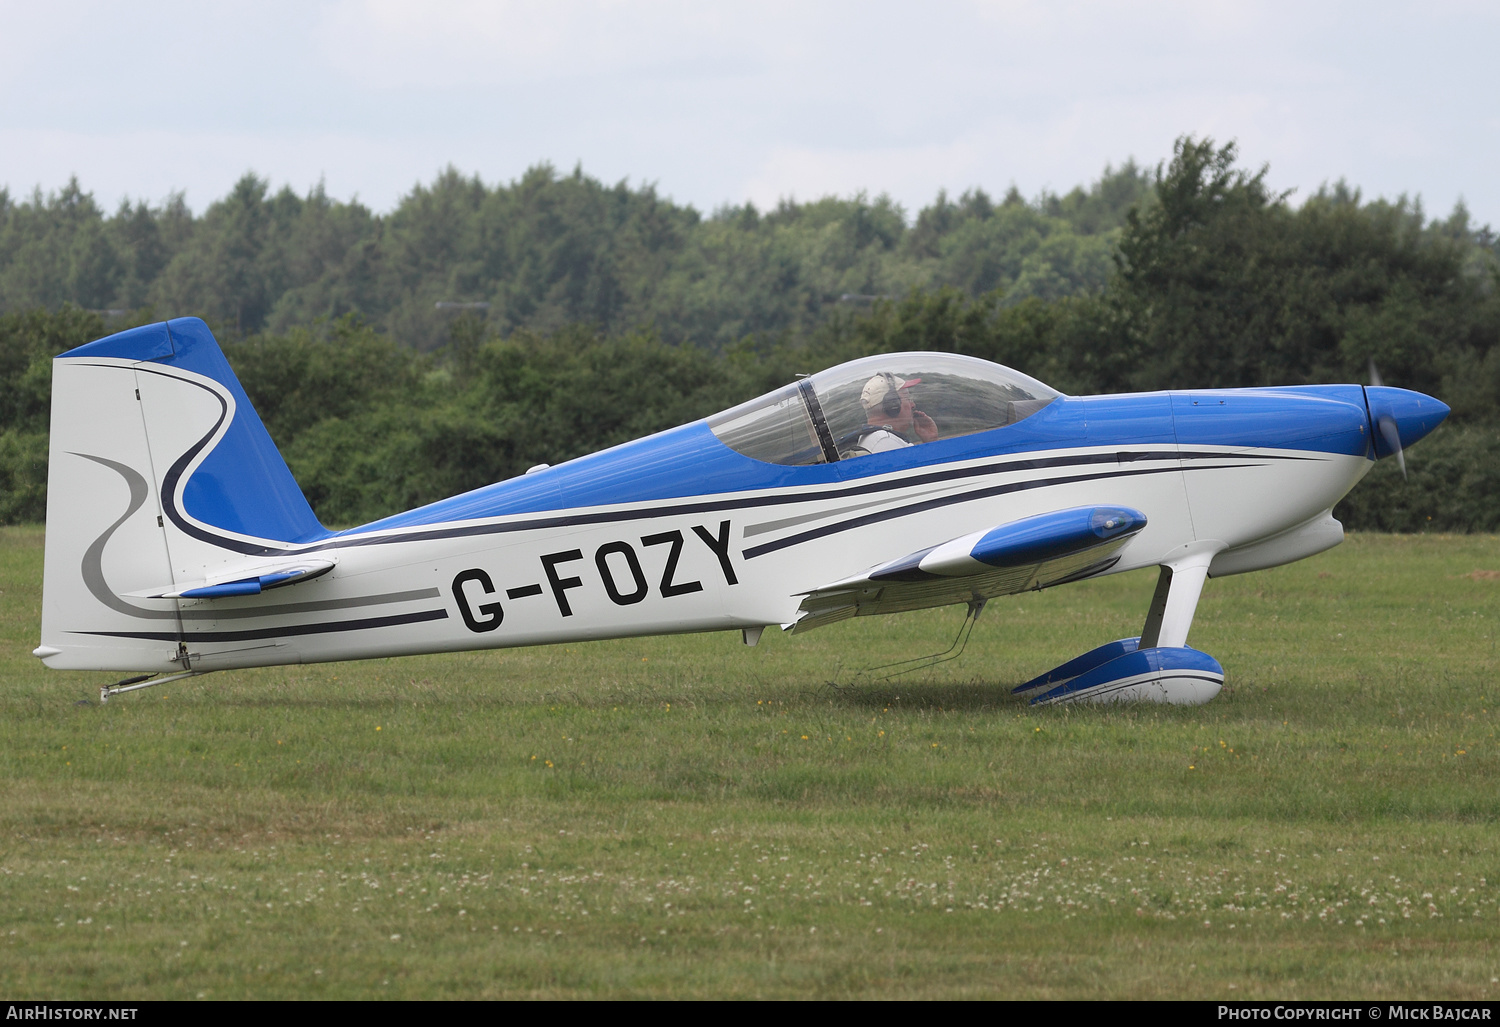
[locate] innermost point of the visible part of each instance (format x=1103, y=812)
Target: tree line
x=1210, y=280
x=546, y=251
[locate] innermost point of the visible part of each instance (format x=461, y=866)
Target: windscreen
x=776, y=428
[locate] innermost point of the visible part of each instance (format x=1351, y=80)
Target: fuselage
x=677, y=533
x=168, y=497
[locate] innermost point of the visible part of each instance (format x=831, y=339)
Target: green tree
x=28, y=342
x=1222, y=283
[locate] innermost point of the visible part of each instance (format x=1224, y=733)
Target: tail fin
x=160, y=476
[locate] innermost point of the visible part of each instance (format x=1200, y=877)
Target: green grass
x=687, y=817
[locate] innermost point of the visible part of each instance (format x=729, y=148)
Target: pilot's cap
x=876, y=388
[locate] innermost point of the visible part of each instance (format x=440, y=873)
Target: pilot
x=894, y=422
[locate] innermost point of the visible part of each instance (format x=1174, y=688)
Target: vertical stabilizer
x=160, y=474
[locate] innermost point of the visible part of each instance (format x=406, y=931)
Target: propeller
x=1386, y=424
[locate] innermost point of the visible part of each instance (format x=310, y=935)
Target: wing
x=1030, y=553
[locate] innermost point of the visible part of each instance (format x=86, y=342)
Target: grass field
x=688, y=817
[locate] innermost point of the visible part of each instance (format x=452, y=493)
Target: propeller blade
x=1387, y=425
x=1392, y=438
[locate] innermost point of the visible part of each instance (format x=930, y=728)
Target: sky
x=718, y=103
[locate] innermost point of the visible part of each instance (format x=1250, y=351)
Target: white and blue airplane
x=178, y=542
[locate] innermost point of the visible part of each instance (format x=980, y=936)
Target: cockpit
x=877, y=404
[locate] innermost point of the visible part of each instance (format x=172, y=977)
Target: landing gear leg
x=1178, y=590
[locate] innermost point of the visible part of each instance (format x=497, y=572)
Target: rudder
x=160, y=474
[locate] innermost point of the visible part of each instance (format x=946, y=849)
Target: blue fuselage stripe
x=782, y=498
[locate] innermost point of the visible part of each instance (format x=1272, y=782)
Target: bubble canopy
x=879, y=403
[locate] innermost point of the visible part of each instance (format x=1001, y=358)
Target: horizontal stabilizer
x=242, y=584
x=1030, y=553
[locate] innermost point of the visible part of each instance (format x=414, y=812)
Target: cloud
x=28, y=24
x=730, y=100
x=206, y=165
x=388, y=43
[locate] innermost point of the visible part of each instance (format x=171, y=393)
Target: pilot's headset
x=890, y=403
